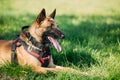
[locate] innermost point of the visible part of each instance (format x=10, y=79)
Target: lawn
x=92, y=43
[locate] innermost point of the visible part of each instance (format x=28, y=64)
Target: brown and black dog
x=32, y=47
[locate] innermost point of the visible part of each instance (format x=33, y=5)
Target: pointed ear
x=41, y=16
x=52, y=15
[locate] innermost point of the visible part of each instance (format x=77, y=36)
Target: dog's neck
x=35, y=33
x=31, y=38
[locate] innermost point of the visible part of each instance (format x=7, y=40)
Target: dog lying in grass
x=32, y=47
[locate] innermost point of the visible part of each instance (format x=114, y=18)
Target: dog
x=32, y=46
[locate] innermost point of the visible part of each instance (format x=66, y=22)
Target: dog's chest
x=32, y=56
x=24, y=58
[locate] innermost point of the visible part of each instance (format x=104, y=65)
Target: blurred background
x=92, y=29
x=78, y=7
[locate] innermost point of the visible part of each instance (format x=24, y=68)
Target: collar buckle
x=29, y=48
x=29, y=38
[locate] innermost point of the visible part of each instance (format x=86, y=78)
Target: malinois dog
x=32, y=45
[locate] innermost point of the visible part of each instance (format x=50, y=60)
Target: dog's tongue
x=55, y=43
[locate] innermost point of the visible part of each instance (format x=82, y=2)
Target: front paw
x=64, y=68
x=59, y=67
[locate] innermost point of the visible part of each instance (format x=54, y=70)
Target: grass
x=92, y=42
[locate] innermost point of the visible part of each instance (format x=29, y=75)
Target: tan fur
x=23, y=57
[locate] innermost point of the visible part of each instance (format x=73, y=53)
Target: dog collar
x=30, y=38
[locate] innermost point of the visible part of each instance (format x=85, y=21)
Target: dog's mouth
x=55, y=43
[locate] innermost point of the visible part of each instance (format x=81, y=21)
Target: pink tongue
x=55, y=43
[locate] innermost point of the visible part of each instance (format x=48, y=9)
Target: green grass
x=92, y=42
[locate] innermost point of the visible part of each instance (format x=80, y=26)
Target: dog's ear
x=52, y=15
x=41, y=16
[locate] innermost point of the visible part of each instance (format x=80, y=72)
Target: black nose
x=62, y=36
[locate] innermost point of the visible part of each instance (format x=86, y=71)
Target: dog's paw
x=59, y=67
x=64, y=68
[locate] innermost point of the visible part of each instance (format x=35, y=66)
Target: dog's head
x=47, y=29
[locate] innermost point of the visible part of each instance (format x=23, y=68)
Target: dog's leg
x=53, y=67
x=39, y=69
x=67, y=69
x=71, y=70
x=44, y=70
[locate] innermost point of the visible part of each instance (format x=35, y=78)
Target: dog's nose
x=62, y=36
